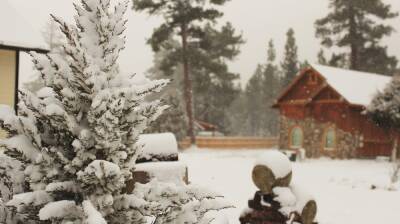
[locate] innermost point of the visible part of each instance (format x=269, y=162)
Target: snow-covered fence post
x=278, y=201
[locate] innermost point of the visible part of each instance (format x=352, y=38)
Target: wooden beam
x=294, y=102
x=17, y=59
x=25, y=49
x=330, y=101
x=377, y=141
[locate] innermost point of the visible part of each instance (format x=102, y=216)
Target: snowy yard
x=342, y=189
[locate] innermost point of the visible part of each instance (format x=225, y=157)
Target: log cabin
x=322, y=112
x=16, y=37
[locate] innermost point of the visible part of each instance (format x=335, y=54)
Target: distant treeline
x=192, y=48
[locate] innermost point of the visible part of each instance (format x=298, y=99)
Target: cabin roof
x=356, y=87
x=16, y=33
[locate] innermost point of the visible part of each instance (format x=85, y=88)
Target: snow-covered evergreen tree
x=76, y=137
x=385, y=107
x=384, y=110
x=11, y=182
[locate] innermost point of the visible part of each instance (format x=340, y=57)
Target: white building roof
x=15, y=31
x=356, y=87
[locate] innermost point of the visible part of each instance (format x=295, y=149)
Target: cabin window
x=296, y=137
x=330, y=138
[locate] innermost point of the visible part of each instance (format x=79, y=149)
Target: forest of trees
x=192, y=48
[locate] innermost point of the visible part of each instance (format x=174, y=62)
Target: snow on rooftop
x=15, y=31
x=356, y=87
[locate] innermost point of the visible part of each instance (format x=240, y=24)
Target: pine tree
x=355, y=25
x=254, y=103
x=290, y=64
x=338, y=60
x=305, y=64
x=173, y=119
x=214, y=84
x=321, y=58
x=271, y=87
x=76, y=138
x=183, y=20
x=237, y=116
x=251, y=114
x=11, y=182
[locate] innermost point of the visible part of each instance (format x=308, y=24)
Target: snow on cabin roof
x=356, y=87
x=16, y=32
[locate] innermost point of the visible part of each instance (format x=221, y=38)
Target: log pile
x=278, y=201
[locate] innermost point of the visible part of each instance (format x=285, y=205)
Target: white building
x=16, y=36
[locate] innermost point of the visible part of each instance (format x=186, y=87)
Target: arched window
x=296, y=138
x=330, y=138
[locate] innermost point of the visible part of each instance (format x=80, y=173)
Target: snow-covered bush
x=384, y=110
x=171, y=203
x=76, y=138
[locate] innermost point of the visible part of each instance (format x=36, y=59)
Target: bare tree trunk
x=353, y=40
x=394, y=150
x=188, y=89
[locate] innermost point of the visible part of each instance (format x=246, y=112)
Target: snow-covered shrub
x=171, y=203
x=76, y=138
x=384, y=110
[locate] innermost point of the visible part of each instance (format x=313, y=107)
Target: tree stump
x=265, y=180
x=309, y=212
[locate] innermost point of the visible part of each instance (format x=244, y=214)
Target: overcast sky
x=258, y=20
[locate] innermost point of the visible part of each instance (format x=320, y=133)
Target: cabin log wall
x=309, y=102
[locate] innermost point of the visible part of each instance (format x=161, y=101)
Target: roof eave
x=25, y=49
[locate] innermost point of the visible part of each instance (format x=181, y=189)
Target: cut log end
x=263, y=178
x=283, y=182
x=309, y=212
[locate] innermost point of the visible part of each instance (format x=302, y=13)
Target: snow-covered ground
x=342, y=189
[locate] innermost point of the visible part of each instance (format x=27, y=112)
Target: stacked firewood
x=278, y=201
